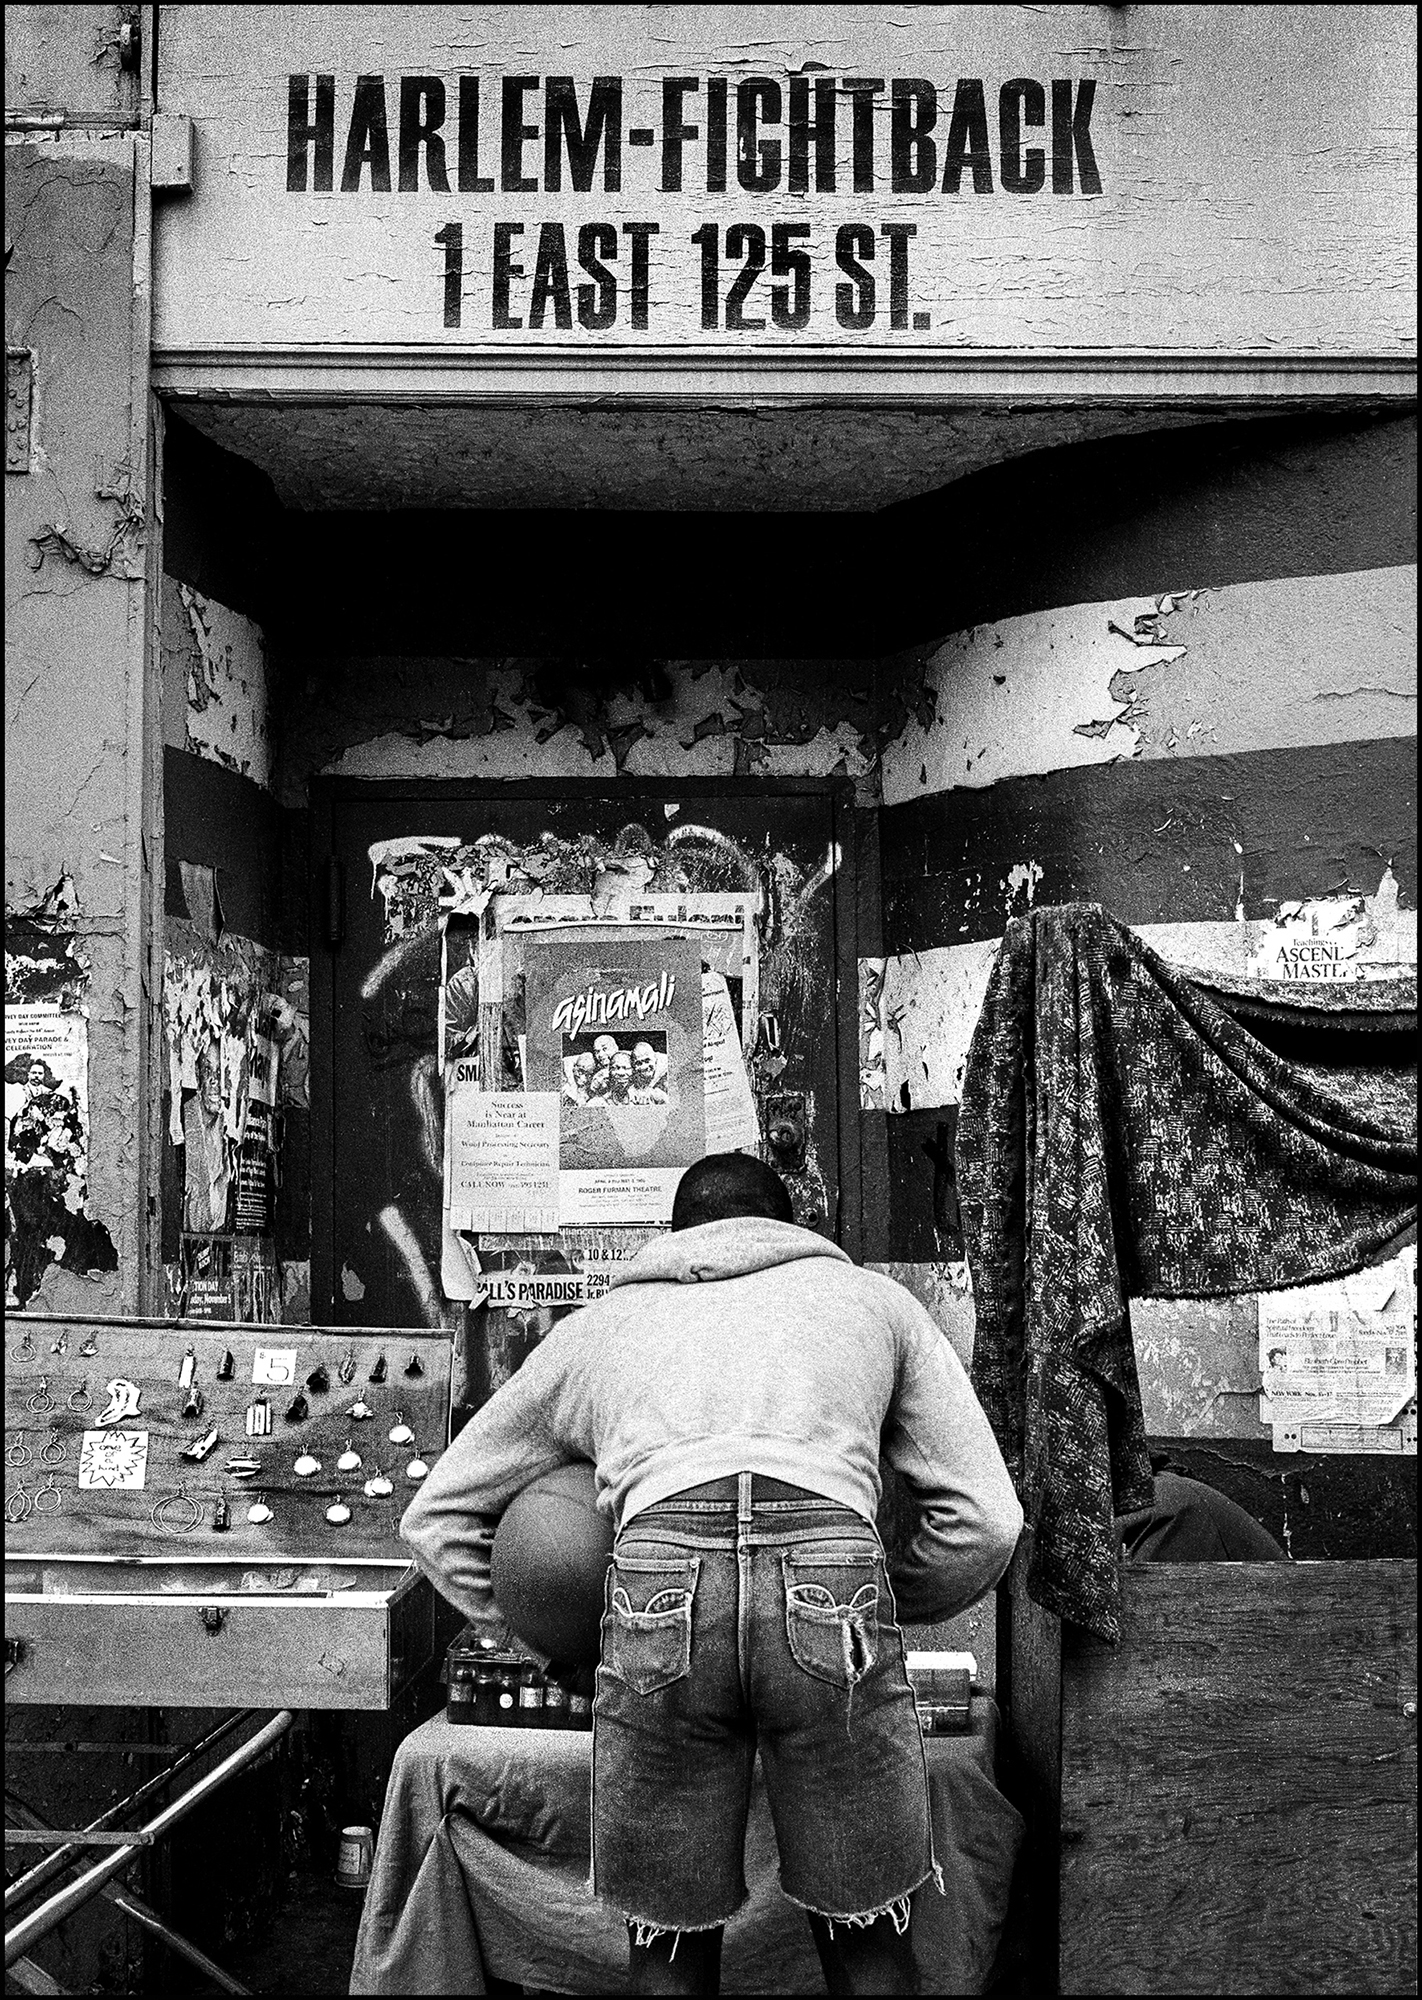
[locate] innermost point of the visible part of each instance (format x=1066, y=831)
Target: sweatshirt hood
x=729, y=1249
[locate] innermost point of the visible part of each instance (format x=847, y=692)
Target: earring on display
x=19, y=1506
x=90, y=1348
x=79, y=1399
x=377, y=1373
x=259, y=1513
x=60, y=1345
x=49, y=1491
x=349, y=1460
x=338, y=1513
x=400, y=1432
x=377, y=1486
x=259, y=1418
x=53, y=1452
x=347, y=1369
x=181, y=1523
x=40, y=1400
x=226, y=1367
x=19, y=1452
x=24, y=1349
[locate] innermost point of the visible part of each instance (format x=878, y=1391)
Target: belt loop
x=743, y=1507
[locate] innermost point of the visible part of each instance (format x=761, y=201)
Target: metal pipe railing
x=25, y=1887
x=132, y=1906
x=28, y=1931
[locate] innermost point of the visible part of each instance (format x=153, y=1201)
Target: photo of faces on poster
x=615, y=1068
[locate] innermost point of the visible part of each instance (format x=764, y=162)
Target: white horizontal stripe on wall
x=1251, y=666
x=931, y=1000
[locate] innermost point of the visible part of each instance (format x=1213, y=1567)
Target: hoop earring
x=49, y=1491
x=19, y=1506
x=158, y=1513
x=19, y=1453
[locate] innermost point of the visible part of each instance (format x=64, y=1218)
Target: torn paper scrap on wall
x=1338, y=1361
x=47, y=1102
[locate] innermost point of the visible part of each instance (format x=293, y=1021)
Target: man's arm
x=525, y=1429
x=939, y=1440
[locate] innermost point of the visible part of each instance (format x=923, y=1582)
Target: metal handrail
x=25, y=1887
x=76, y=1894
x=130, y=1905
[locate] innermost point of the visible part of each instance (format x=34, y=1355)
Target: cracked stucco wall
x=74, y=534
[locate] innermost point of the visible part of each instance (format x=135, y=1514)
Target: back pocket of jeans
x=647, y=1631
x=832, y=1615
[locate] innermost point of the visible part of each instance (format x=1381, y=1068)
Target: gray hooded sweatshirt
x=744, y=1345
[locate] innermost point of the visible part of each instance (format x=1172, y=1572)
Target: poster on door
x=616, y=1029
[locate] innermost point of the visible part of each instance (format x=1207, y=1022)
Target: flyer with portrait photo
x=615, y=1029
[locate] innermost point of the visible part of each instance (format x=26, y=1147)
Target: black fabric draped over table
x=1126, y=1130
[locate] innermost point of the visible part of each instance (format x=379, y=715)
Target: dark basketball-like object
x=551, y=1551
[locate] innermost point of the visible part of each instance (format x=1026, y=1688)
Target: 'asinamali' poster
x=615, y=1028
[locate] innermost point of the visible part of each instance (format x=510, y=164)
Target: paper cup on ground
x=354, y=1857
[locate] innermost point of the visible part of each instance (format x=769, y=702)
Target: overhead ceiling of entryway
x=379, y=456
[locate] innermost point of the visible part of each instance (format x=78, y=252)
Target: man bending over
x=733, y=1392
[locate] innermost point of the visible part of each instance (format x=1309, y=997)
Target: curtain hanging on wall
x=1128, y=1131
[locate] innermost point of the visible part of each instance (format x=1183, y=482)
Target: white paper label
x=116, y=1460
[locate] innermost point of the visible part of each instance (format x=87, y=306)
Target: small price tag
x=275, y=1367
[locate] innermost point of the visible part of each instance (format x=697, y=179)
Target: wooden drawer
x=352, y=1649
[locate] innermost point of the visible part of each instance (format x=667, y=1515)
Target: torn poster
x=502, y=1152
x=615, y=1029
x=207, y=1169
x=255, y=1197
x=1338, y=1362
x=460, y=1276
x=1308, y=942
x=47, y=1149
x=458, y=992
x=731, y=1122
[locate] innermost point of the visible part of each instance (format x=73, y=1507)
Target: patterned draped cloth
x=1126, y=1130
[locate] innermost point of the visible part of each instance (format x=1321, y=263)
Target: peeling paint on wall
x=1037, y=693
x=1306, y=660
x=475, y=719
x=215, y=694
x=932, y=999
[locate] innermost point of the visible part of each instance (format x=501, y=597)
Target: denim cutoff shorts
x=740, y=1614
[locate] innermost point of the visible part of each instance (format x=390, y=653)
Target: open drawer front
x=128, y=1589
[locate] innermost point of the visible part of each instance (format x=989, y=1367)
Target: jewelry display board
x=262, y=1470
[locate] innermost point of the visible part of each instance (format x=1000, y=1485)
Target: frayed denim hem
x=644, y=1934
x=897, y=1910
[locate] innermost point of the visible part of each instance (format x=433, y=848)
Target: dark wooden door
x=376, y=1099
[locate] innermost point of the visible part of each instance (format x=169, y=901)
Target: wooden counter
x=1226, y=1802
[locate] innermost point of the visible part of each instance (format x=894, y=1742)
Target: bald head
x=728, y=1184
